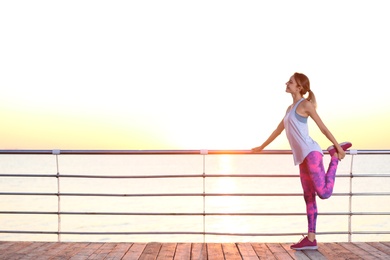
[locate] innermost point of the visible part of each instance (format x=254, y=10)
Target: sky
x=189, y=74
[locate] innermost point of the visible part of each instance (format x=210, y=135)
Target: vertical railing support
x=204, y=153
x=352, y=153
x=56, y=153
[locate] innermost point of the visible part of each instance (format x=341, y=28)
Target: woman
x=307, y=153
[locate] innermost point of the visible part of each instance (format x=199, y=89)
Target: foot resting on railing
x=332, y=150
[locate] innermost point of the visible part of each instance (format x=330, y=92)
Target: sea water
x=130, y=165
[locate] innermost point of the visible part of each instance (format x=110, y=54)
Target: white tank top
x=297, y=133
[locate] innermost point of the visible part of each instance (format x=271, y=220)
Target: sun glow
x=178, y=75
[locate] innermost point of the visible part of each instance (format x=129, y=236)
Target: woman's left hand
x=340, y=153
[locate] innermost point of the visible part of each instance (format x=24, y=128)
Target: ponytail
x=312, y=98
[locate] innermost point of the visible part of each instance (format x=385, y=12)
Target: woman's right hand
x=257, y=149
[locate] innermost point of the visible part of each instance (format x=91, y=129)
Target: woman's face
x=292, y=86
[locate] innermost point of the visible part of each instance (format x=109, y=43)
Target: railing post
x=204, y=153
x=56, y=153
x=352, y=153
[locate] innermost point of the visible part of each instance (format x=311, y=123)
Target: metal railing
x=204, y=195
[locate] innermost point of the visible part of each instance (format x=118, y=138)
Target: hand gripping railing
x=59, y=194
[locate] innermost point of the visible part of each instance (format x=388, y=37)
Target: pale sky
x=189, y=74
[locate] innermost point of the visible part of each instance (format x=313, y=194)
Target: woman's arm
x=272, y=137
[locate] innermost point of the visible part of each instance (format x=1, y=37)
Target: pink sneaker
x=333, y=150
x=305, y=244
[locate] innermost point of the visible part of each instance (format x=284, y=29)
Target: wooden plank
x=13, y=249
x=32, y=246
x=317, y=255
x=151, y=251
x=326, y=251
x=118, y=251
x=43, y=251
x=231, y=252
x=214, y=251
x=20, y=252
x=357, y=251
x=199, y=251
x=372, y=250
x=86, y=251
x=103, y=251
x=382, y=247
x=56, y=250
x=167, y=251
x=262, y=251
x=5, y=245
x=183, y=251
x=278, y=251
x=134, y=251
x=247, y=252
x=294, y=253
x=341, y=251
x=73, y=249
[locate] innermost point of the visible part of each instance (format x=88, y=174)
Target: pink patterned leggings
x=315, y=181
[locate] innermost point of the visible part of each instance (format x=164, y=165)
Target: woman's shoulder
x=307, y=107
x=307, y=104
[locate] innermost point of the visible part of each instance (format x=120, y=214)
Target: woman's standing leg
x=309, y=195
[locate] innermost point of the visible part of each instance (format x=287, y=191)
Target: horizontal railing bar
x=101, y=233
x=143, y=194
x=169, y=152
x=295, y=234
x=106, y=176
x=371, y=232
x=185, y=233
x=273, y=234
x=189, y=214
x=156, y=233
x=369, y=175
x=155, y=176
x=27, y=175
x=183, y=194
x=183, y=176
x=140, y=152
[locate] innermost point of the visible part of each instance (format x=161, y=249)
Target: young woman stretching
x=307, y=153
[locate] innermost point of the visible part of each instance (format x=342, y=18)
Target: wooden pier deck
x=183, y=251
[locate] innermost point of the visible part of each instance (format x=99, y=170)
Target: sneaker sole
x=306, y=248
